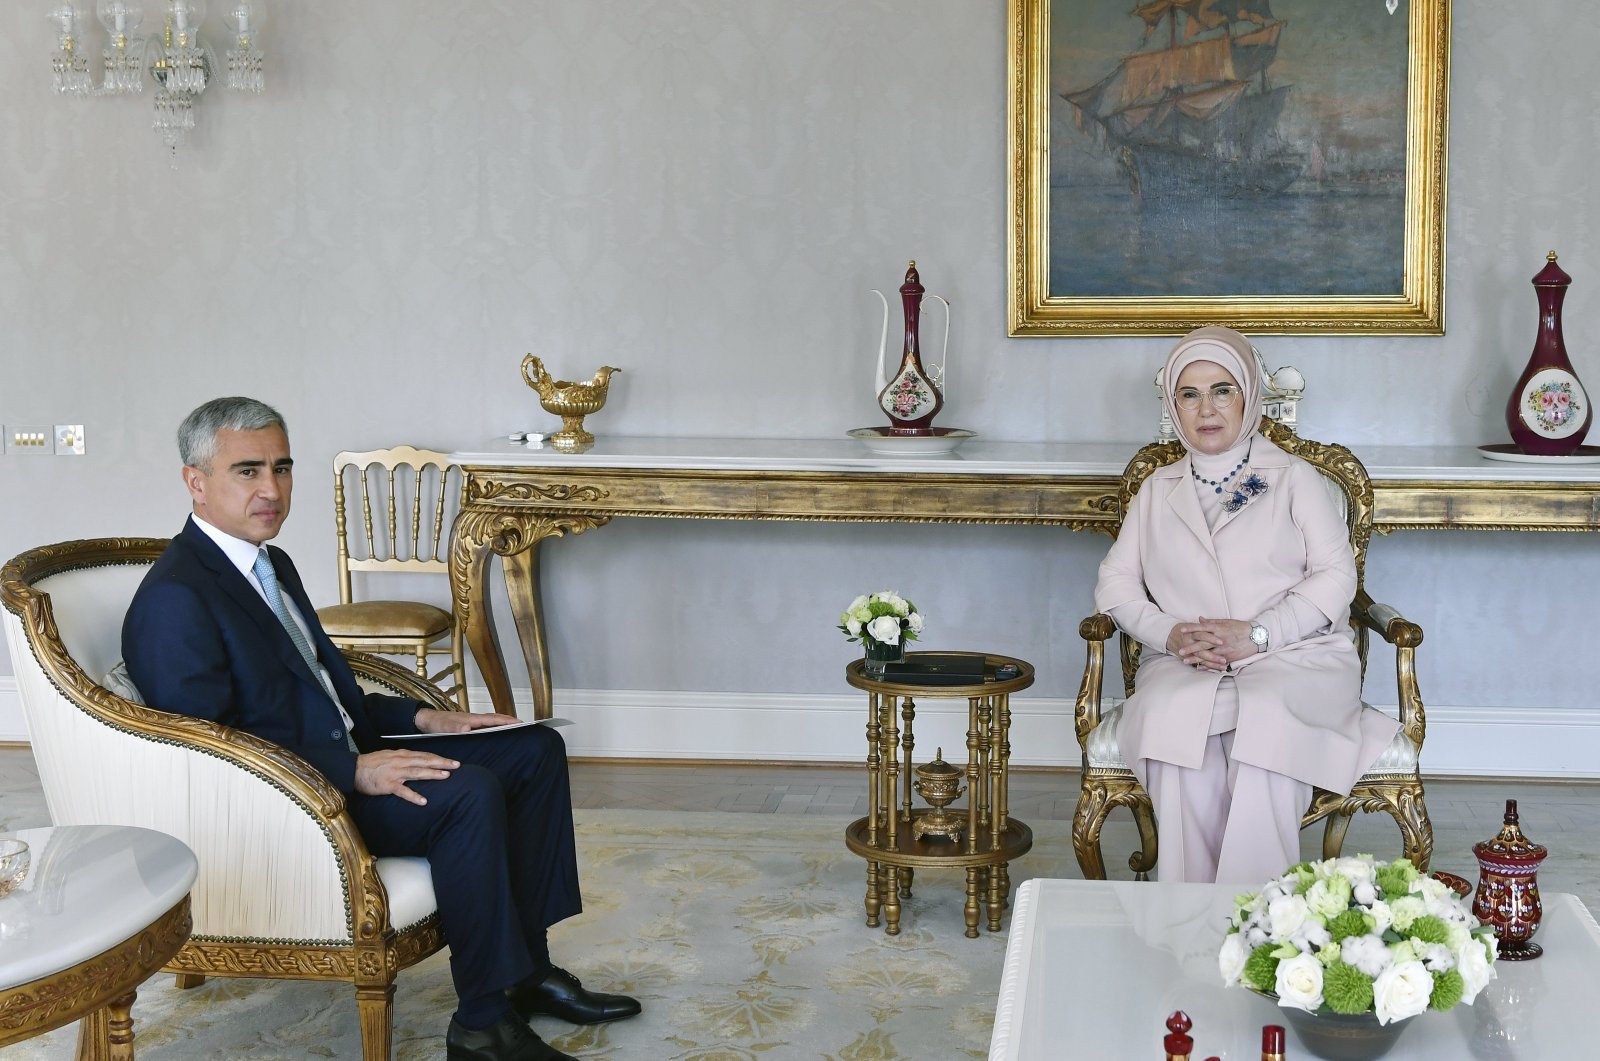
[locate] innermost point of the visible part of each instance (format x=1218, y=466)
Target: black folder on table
x=938, y=668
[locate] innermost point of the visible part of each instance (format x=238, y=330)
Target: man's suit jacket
x=199, y=640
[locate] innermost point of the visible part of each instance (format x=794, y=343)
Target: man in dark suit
x=222, y=629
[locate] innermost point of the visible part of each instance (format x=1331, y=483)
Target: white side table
x=103, y=907
x=1094, y=968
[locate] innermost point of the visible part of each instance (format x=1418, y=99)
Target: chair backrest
x=404, y=516
x=1340, y=467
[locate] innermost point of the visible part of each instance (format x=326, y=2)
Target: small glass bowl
x=14, y=859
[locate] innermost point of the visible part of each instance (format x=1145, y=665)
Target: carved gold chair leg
x=375, y=1002
x=1333, y=831
x=1143, y=860
x=187, y=981
x=1087, y=821
x=1416, y=831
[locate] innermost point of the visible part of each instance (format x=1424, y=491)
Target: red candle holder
x=1508, y=888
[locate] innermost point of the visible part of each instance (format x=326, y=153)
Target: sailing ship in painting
x=1194, y=111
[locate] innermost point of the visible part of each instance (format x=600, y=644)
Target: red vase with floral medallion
x=911, y=398
x=1549, y=412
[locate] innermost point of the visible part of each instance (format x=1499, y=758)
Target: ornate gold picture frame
x=1273, y=165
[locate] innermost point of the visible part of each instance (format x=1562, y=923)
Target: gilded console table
x=519, y=495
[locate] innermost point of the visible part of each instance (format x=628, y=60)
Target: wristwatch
x=1258, y=636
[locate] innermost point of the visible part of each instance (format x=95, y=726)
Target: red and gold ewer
x=1508, y=888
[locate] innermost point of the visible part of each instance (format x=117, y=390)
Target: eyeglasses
x=1222, y=395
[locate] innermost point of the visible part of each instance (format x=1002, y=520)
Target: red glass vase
x=911, y=398
x=1508, y=888
x=1549, y=412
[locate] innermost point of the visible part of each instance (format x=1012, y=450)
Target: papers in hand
x=480, y=731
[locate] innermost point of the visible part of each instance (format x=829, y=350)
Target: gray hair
x=197, y=435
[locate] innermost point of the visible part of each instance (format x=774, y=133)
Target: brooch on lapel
x=1254, y=486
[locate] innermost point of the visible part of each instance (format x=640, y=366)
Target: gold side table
x=888, y=838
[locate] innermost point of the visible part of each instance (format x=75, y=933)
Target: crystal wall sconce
x=177, y=60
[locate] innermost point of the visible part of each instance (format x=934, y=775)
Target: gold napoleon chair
x=404, y=528
x=1393, y=785
x=287, y=888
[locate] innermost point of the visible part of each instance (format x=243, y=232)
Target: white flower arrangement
x=1351, y=935
x=883, y=618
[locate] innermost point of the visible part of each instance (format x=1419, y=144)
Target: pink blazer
x=1300, y=710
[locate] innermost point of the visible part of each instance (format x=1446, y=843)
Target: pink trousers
x=1227, y=821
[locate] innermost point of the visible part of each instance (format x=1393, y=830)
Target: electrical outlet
x=69, y=440
x=29, y=439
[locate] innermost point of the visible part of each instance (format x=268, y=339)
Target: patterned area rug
x=743, y=934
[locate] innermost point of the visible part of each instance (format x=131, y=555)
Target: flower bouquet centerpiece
x=1348, y=944
x=883, y=622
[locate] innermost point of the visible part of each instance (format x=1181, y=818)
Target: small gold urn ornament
x=939, y=783
x=570, y=401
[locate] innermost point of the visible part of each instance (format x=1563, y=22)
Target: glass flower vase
x=881, y=653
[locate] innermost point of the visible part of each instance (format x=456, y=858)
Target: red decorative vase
x=1508, y=888
x=1548, y=412
x=910, y=397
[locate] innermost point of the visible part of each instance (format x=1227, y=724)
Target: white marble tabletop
x=1094, y=968
x=89, y=887
x=975, y=457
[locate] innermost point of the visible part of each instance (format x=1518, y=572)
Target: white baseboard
x=642, y=724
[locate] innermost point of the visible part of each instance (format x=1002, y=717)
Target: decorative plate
x=1506, y=451
x=937, y=441
x=1460, y=885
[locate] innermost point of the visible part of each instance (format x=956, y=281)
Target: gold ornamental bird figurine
x=568, y=400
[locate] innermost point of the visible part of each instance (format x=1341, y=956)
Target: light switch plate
x=29, y=438
x=69, y=440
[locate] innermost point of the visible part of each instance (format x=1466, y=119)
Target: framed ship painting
x=1272, y=165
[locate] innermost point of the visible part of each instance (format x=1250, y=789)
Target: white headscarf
x=1225, y=347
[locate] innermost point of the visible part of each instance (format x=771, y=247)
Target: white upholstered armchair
x=286, y=888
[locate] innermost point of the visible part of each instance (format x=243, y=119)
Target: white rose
x=1232, y=957
x=1473, y=964
x=1300, y=982
x=1285, y=915
x=1354, y=870
x=885, y=628
x=915, y=621
x=1401, y=991
x=858, y=604
x=853, y=625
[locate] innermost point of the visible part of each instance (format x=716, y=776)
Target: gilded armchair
x=1394, y=783
x=286, y=889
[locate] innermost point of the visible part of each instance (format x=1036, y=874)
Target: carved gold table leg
x=527, y=608
x=874, y=898
x=482, y=531
x=970, y=910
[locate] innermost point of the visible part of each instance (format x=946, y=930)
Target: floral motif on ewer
x=908, y=397
x=1552, y=405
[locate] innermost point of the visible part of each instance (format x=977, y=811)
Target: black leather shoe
x=509, y=1040
x=559, y=994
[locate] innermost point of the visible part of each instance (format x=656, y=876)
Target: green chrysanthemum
x=1347, y=989
x=1350, y=923
x=1448, y=987
x=1430, y=929
x=1261, y=969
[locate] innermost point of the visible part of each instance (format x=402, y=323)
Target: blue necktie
x=269, y=584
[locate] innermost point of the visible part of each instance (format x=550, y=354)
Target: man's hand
x=431, y=720
x=1211, y=643
x=385, y=773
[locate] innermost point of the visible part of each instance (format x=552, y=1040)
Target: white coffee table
x=1094, y=968
x=103, y=907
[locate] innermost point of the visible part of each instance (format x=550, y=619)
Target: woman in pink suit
x=1234, y=570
